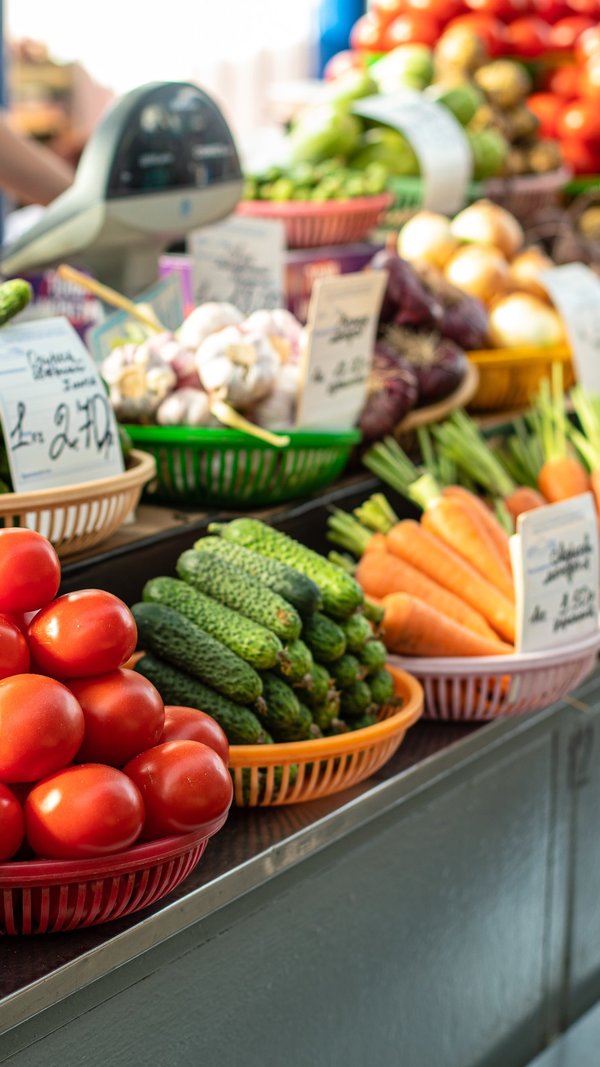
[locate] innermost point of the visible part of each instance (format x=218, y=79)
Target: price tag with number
x=239, y=262
x=555, y=563
x=575, y=291
x=342, y=321
x=439, y=141
x=59, y=428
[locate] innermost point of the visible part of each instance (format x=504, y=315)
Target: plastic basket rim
x=192, y=435
x=140, y=471
x=40, y=872
x=412, y=183
x=290, y=209
x=407, y=685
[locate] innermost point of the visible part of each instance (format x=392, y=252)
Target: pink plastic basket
x=527, y=194
x=52, y=896
x=490, y=687
x=311, y=224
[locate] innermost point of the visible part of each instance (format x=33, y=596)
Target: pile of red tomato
x=569, y=106
x=90, y=759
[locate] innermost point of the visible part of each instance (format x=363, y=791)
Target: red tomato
x=82, y=634
x=582, y=157
x=590, y=80
x=12, y=824
x=386, y=10
x=183, y=784
x=411, y=28
x=190, y=724
x=550, y=10
x=491, y=31
x=588, y=45
x=565, y=82
x=14, y=653
x=546, y=107
x=502, y=9
x=441, y=10
x=83, y=812
x=591, y=8
x=41, y=727
x=566, y=32
x=367, y=34
x=341, y=64
x=528, y=37
x=580, y=121
x=29, y=570
x=123, y=713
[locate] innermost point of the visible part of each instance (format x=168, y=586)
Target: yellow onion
x=485, y=223
x=426, y=238
x=522, y=319
x=478, y=270
x=525, y=270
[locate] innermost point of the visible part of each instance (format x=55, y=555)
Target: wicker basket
x=311, y=224
x=509, y=377
x=271, y=775
x=226, y=468
x=490, y=687
x=78, y=517
x=52, y=896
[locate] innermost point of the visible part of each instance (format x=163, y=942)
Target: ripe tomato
x=585, y=7
x=501, y=9
x=12, y=824
x=411, y=28
x=590, y=79
x=580, y=121
x=588, y=45
x=386, y=10
x=583, y=158
x=546, y=107
x=491, y=31
x=190, y=724
x=29, y=570
x=341, y=64
x=14, y=653
x=123, y=714
x=82, y=634
x=566, y=32
x=550, y=10
x=183, y=784
x=566, y=82
x=367, y=34
x=84, y=811
x=41, y=727
x=528, y=37
x=440, y=10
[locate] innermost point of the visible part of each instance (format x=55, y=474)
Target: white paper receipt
x=438, y=139
x=59, y=427
x=239, y=262
x=575, y=291
x=555, y=563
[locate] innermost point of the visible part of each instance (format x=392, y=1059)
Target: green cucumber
x=346, y=671
x=383, y=690
x=230, y=586
x=320, y=686
x=293, y=586
x=15, y=295
x=355, y=701
x=357, y=630
x=324, y=637
x=365, y=720
x=283, y=715
x=325, y=713
x=373, y=656
x=297, y=663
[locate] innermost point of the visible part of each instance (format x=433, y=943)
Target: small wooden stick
x=110, y=296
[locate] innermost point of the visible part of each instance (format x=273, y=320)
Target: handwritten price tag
x=575, y=291
x=166, y=300
x=342, y=321
x=438, y=139
x=59, y=428
x=240, y=262
x=555, y=562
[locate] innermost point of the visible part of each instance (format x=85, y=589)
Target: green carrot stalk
x=347, y=532
x=586, y=439
x=390, y=463
x=377, y=514
x=342, y=560
x=462, y=441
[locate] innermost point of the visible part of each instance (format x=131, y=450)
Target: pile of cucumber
x=268, y=637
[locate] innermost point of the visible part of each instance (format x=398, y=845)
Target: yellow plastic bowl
x=508, y=377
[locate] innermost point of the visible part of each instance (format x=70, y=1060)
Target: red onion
x=406, y=302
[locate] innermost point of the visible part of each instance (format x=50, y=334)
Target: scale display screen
x=177, y=139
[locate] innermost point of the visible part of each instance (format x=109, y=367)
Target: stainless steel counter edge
x=173, y=918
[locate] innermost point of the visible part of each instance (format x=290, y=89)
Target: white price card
x=59, y=427
x=555, y=564
x=575, y=291
x=240, y=262
x=165, y=299
x=342, y=323
x=439, y=141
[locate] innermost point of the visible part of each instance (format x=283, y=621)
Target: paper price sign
x=555, y=563
x=59, y=427
x=575, y=291
x=439, y=141
x=166, y=300
x=239, y=262
x=342, y=322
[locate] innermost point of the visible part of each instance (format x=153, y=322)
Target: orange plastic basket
x=269, y=775
x=311, y=224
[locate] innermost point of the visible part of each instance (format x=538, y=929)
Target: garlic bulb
x=205, y=320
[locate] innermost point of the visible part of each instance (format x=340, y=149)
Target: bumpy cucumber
x=346, y=671
x=180, y=642
x=324, y=637
x=355, y=701
x=293, y=586
x=230, y=586
x=255, y=644
x=297, y=663
x=365, y=720
x=341, y=593
x=175, y=687
x=357, y=630
x=325, y=713
x=281, y=713
x=373, y=656
x=14, y=296
x=383, y=690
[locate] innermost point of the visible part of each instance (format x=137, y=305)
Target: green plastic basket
x=229, y=469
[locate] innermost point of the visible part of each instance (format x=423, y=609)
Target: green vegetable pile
x=265, y=635
x=331, y=179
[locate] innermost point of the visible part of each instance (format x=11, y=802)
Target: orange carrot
x=459, y=527
x=413, y=628
x=524, y=499
x=562, y=478
x=393, y=575
x=377, y=543
x=428, y=554
x=486, y=516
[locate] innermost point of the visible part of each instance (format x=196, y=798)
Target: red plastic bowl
x=51, y=896
x=312, y=224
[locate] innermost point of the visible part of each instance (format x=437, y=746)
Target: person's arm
x=28, y=170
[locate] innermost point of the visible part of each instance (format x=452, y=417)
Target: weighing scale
x=161, y=162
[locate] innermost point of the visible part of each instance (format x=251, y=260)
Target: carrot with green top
x=412, y=627
x=562, y=475
x=586, y=438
